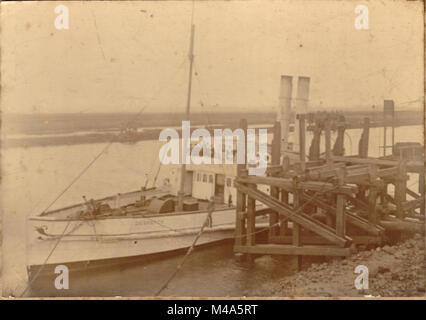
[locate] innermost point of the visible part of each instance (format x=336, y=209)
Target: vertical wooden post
x=364, y=140
x=340, y=206
x=401, y=188
x=383, y=199
x=240, y=221
x=314, y=149
x=372, y=210
x=384, y=140
x=302, y=141
x=276, y=144
x=393, y=133
x=284, y=197
x=327, y=142
x=297, y=237
x=275, y=160
x=363, y=152
x=339, y=145
x=297, y=241
x=251, y=223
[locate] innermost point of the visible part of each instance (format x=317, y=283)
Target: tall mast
x=181, y=192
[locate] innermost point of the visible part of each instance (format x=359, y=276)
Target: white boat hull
x=120, y=237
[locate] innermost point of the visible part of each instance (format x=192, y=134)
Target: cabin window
x=210, y=178
x=228, y=182
x=204, y=178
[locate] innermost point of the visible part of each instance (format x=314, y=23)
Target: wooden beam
x=294, y=250
x=375, y=161
x=413, y=194
x=316, y=240
x=324, y=172
x=401, y=189
x=413, y=204
x=351, y=218
x=358, y=203
x=303, y=219
x=273, y=170
x=288, y=184
x=403, y=226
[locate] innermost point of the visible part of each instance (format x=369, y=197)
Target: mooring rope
x=69, y=221
x=210, y=211
x=131, y=121
x=191, y=248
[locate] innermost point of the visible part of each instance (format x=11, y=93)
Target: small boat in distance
x=139, y=223
x=129, y=135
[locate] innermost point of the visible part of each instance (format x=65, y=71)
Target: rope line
x=189, y=251
x=211, y=207
x=131, y=121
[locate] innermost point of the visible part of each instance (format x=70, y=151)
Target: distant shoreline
x=153, y=134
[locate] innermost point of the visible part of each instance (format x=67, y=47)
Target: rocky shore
x=394, y=271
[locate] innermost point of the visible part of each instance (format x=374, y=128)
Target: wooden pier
x=325, y=204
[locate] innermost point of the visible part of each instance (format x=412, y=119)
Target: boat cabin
x=204, y=181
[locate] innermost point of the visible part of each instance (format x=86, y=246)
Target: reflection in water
x=211, y=271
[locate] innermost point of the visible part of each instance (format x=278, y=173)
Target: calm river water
x=34, y=177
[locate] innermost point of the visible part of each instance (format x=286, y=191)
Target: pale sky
x=120, y=56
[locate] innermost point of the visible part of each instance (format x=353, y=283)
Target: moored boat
x=139, y=223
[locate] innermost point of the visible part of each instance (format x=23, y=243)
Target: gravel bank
x=394, y=271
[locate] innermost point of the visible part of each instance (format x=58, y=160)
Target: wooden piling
x=297, y=230
x=401, y=188
x=314, y=149
x=339, y=145
x=326, y=226
x=340, y=207
x=284, y=230
x=251, y=223
x=240, y=222
x=363, y=152
x=372, y=198
x=275, y=160
x=297, y=236
x=364, y=140
x=328, y=159
x=302, y=141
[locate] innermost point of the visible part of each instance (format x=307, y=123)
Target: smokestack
x=301, y=106
x=284, y=111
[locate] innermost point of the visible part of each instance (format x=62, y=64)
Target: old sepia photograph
x=208, y=148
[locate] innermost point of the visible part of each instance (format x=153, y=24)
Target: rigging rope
x=191, y=248
x=210, y=211
x=131, y=121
